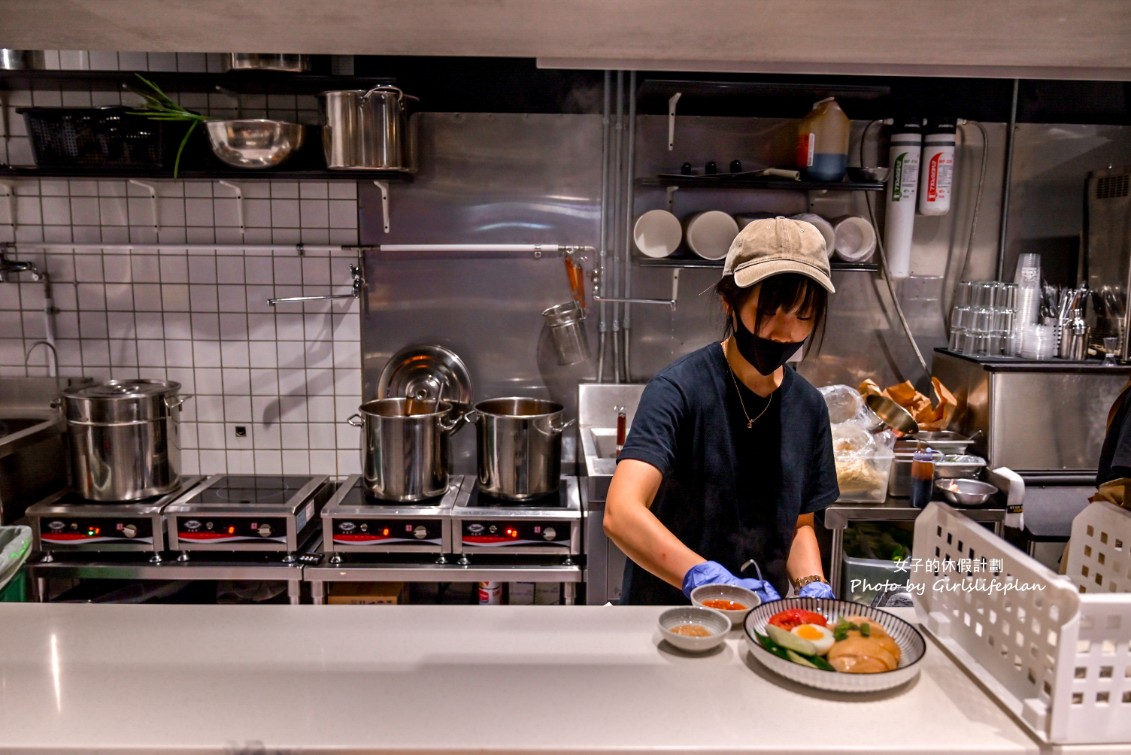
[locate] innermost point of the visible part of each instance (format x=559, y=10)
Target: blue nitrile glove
x=764, y=589
x=714, y=573
x=817, y=590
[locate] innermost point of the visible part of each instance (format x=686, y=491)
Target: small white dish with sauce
x=693, y=628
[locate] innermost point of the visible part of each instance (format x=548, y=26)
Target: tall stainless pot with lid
x=124, y=438
x=367, y=130
x=406, y=447
x=519, y=449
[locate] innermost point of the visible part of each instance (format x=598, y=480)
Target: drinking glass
x=1111, y=346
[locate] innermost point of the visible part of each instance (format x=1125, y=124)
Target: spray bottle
x=906, y=147
x=937, y=171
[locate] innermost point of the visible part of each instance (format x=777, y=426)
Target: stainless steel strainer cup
x=567, y=331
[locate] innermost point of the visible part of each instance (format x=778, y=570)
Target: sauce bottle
x=622, y=428
x=922, y=477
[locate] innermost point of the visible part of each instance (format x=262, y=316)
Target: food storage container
x=863, y=479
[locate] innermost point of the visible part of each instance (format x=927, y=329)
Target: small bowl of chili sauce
x=733, y=601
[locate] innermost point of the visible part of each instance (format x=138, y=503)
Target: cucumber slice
x=790, y=641
x=772, y=646
x=799, y=659
x=821, y=663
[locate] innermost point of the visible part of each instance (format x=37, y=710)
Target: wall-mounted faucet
x=10, y=266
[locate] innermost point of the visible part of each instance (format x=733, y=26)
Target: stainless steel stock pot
x=124, y=438
x=367, y=130
x=519, y=448
x=406, y=447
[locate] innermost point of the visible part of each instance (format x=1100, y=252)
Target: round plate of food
x=834, y=645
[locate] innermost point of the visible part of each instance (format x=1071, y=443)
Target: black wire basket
x=64, y=137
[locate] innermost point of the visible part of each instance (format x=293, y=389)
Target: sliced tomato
x=794, y=617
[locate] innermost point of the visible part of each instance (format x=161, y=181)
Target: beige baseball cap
x=778, y=245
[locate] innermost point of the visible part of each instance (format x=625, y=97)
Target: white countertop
x=111, y=678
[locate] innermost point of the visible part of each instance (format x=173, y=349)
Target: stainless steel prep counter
x=841, y=515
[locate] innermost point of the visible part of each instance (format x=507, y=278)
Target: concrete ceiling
x=1080, y=39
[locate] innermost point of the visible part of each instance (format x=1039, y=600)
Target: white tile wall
x=288, y=376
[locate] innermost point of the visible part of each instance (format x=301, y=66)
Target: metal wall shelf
x=731, y=181
x=240, y=82
x=711, y=89
x=678, y=261
x=282, y=173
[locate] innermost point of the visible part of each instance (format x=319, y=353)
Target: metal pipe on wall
x=602, y=323
x=1009, y=144
x=535, y=249
x=630, y=175
x=618, y=208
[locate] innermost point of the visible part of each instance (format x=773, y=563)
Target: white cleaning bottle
x=936, y=174
x=903, y=184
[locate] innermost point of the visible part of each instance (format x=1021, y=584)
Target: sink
x=604, y=442
x=14, y=425
x=33, y=462
x=596, y=411
x=19, y=432
x=599, y=449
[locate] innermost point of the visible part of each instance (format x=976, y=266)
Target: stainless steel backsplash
x=523, y=178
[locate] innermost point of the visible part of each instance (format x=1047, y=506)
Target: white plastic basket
x=1058, y=658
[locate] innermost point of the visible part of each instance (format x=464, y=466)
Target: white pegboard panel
x=1058, y=659
x=1098, y=558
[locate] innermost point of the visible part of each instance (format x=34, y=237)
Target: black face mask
x=764, y=354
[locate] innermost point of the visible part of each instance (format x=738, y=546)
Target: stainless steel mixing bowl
x=963, y=492
x=255, y=142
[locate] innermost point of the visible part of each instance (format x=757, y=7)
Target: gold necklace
x=749, y=422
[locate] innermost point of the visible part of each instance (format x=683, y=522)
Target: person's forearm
x=804, y=554
x=644, y=538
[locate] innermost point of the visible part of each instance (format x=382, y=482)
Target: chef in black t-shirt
x=1113, y=470
x=730, y=451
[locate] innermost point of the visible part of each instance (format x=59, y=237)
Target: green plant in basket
x=161, y=107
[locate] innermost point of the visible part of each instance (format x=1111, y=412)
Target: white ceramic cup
x=710, y=233
x=822, y=225
x=854, y=238
x=657, y=233
x=746, y=218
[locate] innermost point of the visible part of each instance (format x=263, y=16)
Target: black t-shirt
x=730, y=493
x=1115, y=454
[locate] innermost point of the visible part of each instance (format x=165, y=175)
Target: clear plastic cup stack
x=1028, y=307
x=982, y=318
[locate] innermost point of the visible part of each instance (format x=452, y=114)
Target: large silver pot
x=519, y=449
x=405, y=447
x=263, y=61
x=367, y=130
x=125, y=440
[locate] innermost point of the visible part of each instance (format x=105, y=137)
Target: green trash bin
x=15, y=545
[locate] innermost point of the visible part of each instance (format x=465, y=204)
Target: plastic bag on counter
x=885, y=440
x=844, y=402
x=852, y=440
x=862, y=447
